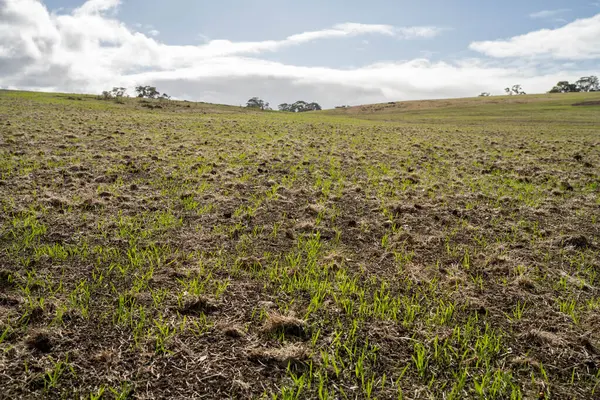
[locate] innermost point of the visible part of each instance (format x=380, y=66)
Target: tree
x=255, y=102
x=117, y=93
x=516, y=89
x=565, y=87
x=485, y=94
x=141, y=91
x=303, y=106
x=153, y=93
x=299, y=106
x=595, y=84
x=314, y=107
x=148, y=92
x=587, y=84
x=573, y=88
x=583, y=84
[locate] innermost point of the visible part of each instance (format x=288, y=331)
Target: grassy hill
x=85, y=102
x=578, y=108
x=436, y=249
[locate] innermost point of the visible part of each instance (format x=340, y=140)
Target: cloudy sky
x=333, y=52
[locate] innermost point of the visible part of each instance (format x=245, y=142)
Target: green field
x=442, y=249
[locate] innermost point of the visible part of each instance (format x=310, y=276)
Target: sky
x=334, y=52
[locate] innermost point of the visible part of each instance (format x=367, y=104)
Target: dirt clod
x=233, y=331
x=199, y=306
x=40, y=341
x=576, y=241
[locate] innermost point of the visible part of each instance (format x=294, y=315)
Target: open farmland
x=432, y=250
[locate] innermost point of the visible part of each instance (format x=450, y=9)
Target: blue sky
x=183, y=21
x=358, y=51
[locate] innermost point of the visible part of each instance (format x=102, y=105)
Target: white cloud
x=89, y=50
x=419, y=31
x=153, y=32
x=225, y=47
x=548, y=13
x=91, y=7
x=415, y=79
x=578, y=40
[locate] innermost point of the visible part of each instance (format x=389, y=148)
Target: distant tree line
x=299, y=106
x=117, y=93
x=145, y=92
x=255, y=102
x=150, y=92
x=584, y=84
x=515, y=89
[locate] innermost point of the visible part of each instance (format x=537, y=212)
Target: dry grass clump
x=294, y=354
x=277, y=323
x=544, y=338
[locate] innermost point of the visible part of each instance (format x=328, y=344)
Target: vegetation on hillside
x=515, y=89
x=584, y=84
x=143, y=92
x=298, y=106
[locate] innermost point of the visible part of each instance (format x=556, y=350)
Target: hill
x=527, y=109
